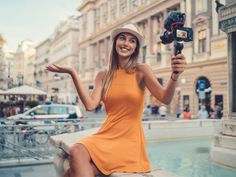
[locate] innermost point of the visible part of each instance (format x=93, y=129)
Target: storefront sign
x=226, y=24
x=227, y=17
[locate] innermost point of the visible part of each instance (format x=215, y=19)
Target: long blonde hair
x=114, y=65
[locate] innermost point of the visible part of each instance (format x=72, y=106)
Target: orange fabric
x=119, y=145
x=187, y=115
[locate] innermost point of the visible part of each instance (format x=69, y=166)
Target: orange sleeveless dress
x=119, y=145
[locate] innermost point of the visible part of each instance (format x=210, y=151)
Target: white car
x=50, y=112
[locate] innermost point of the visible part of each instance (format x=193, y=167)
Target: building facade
x=205, y=78
x=3, y=65
x=7, y=71
x=25, y=51
x=61, y=49
x=41, y=61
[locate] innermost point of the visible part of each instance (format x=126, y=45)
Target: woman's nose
x=126, y=42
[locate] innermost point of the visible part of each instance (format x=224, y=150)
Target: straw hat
x=128, y=28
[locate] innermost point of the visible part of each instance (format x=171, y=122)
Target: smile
x=124, y=49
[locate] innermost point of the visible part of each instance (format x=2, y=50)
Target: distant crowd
x=11, y=108
x=161, y=111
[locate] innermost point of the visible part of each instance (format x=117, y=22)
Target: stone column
x=223, y=150
x=232, y=74
x=167, y=52
x=150, y=36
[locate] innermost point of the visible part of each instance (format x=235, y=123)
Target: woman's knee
x=78, y=151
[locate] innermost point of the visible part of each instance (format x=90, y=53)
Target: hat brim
x=117, y=31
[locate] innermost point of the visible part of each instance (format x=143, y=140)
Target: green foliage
x=32, y=104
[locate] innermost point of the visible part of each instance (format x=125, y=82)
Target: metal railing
x=31, y=140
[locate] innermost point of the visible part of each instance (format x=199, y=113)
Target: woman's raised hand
x=178, y=64
x=59, y=69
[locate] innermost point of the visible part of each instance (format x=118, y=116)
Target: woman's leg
x=67, y=173
x=81, y=164
x=96, y=171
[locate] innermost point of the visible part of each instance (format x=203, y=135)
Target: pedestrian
x=147, y=112
x=186, y=113
x=154, y=109
x=163, y=111
x=219, y=112
x=202, y=113
x=212, y=112
x=178, y=111
x=98, y=108
x=119, y=145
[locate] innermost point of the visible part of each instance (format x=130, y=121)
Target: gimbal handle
x=178, y=47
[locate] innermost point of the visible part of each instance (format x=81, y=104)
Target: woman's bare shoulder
x=142, y=68
x=141, y=71
x=101, y=74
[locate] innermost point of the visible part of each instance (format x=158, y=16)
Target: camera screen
x=181, y=34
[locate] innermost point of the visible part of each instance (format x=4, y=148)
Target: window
x=160, y=80
x=201, y=6
x=157, y=50
x=123, y=6
x=84, y=24
x=71, y=110
x=144, y=51
x=144, y=2
x=97, y=14
x=143, y=27
x=58, y=110
x=202, y=41
x=83, y=55
x=105, y=12
x=90, y=87
x=219, y=100
x=159, y=19
x=133, y=4
x=40, y=111
x=102, y=53
x=185, y=100
x=113, y=9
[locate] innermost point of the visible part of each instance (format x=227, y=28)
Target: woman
x=119, y=145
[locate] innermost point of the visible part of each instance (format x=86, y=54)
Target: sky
x=32, y=19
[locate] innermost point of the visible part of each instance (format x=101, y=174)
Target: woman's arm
x=164, y=95
x=90, y=101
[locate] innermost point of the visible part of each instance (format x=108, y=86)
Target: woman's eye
x=133, y=41
x=122, y=38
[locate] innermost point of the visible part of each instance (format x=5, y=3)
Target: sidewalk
x=7, y=163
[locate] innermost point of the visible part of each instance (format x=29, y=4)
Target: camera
x=175, y=30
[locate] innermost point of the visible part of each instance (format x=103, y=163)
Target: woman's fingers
x=59, y=69
x=52, y=68
x=56, y=66
x=178, y=63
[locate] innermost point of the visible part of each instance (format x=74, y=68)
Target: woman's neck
x=123, y=62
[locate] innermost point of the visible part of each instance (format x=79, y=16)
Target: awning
x=24, y=90
x=2, y=92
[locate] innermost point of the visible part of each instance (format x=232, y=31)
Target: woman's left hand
x=178, y=64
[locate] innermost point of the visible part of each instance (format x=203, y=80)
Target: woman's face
x=125, y=45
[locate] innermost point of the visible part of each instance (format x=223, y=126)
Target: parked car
x=49, y=113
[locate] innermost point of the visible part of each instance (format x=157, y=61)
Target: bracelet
x=173, y=78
